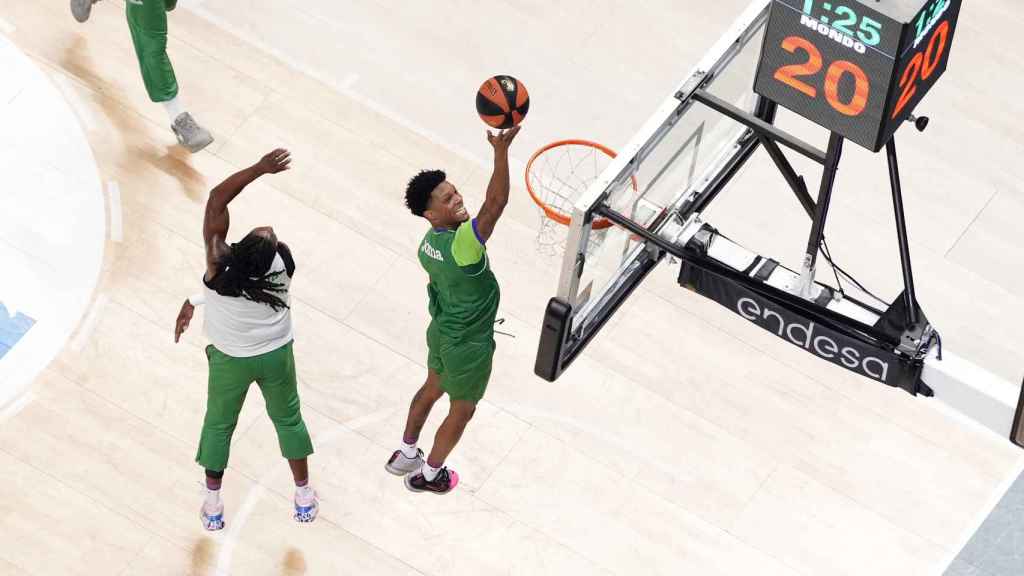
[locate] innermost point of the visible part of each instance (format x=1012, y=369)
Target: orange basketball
x=502, y=102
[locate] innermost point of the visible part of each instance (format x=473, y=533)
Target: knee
x=428, y=394
x=462, y=410
x=221, y=427
x=289, y=421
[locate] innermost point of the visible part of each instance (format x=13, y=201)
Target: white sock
x=212, y=499
x=429, y=472
x=304, y=493
x=409, y=450
x=173, y=108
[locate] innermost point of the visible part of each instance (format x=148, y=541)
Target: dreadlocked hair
x=245, y=272
x=417, y=193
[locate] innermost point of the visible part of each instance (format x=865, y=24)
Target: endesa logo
x=813, y=338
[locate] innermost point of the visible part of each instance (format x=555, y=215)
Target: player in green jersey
x=147, y=22
x=463, y=304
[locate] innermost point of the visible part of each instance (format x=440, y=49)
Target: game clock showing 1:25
x=855, y=67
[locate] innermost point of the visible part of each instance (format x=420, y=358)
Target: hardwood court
x=684, y=441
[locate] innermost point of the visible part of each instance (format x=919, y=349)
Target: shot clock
x=855, y=67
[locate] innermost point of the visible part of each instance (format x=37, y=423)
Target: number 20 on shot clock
x=855, y=67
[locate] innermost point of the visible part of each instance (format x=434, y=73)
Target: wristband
x=197, y=299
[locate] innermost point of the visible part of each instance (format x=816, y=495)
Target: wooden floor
x=684, y=442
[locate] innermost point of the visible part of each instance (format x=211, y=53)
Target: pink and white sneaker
x=445, y=481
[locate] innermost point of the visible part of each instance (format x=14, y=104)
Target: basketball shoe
x=212, y=519
x=307, y=504
x=445, y=481
x=190, y=134
x=399, y=464
x=81, y=9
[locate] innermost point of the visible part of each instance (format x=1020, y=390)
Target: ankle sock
x=304, y=494
x=212, y=500
x=173, y=108
x=429, y=472
x=409, y=450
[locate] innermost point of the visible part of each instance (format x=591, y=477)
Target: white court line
x=235, y=528
x=114, y=195
x=87, y=327
x=10, y=304
x=256, y=493
x=16, y=406
x=983, y=514
x=69, y=90
x=350, y=81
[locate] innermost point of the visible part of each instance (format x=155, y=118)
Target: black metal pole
x=760, y=126
x=631, y=226
x=828, y=180
x=796, y=183
x=909, y=297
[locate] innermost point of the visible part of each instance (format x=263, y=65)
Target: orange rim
x=556, y=215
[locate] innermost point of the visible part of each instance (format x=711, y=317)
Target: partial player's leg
x=448, y=435
x=229, y=380
x=280, y=390
x=82, y=9
x=434, y=476
x=408, y=458
x=212, y=512
x=147, y=21
x=469, y=370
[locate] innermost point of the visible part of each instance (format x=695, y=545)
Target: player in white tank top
x=248, y=322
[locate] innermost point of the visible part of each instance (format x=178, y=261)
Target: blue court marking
x=12, y=329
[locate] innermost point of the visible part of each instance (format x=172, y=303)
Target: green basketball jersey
x=463, y=291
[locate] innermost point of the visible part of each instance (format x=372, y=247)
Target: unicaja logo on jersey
x=431, y=252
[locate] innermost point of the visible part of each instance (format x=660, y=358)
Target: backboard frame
x=592, y=310
x=574, y=316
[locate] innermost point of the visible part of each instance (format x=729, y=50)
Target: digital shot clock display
x=855, y=67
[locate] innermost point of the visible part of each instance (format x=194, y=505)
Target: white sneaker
x=306, y=507
x=190, y=134
x=81, y=9
x=212, y=519
x=399, y=464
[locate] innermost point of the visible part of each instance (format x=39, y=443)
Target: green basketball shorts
x=465, y=366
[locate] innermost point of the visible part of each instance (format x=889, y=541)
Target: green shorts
x=465, y=366
x=230, y=378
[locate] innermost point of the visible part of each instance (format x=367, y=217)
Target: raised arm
x=217, y=220
x=498, y=188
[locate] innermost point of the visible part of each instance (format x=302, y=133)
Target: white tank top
x=242, y=328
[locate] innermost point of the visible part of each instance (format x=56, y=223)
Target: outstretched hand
x=273, y=162
x=503, y=138
x=184, y=317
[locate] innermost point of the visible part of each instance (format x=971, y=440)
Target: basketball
x=502, y=102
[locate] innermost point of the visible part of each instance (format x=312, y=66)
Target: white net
x=556, y=176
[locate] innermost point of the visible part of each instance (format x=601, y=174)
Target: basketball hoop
x=556, y=176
